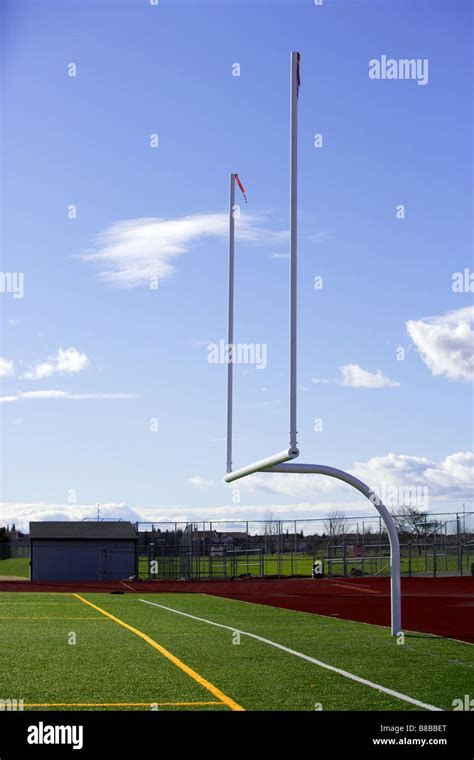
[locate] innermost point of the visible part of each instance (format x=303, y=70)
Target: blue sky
x=115, y=354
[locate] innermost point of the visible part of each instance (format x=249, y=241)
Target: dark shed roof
x=82, y=530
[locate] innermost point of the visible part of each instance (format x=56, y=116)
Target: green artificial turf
x=17, y=567
x=109, y=664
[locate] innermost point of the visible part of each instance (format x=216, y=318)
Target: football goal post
x=282, y=462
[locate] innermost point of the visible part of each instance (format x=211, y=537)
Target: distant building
x=237, y=539
x=82, y=551
x=214, y=543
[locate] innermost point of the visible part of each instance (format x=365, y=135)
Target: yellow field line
x=171, y=657
x=117, y=704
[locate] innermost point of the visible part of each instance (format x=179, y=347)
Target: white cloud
x=353, y=376
x=197, y=481
x=452, y=478
x=456, y=472
x=303, y=510
x=68, y=362
x=42, y=394
x=131, y=253
x=23, y=513
x=446, y=343
x=320, y=380
x=395, y=469
x=7, y=368
x=53, y=394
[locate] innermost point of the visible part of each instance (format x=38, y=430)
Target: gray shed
x=82, y=551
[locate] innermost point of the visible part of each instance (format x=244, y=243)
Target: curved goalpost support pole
x=395, y=577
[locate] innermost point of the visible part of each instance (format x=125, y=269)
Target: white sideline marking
x=339, y=671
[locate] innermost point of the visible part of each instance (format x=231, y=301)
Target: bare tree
x=412, y=522
x=413, y=526
x=336, y=524
x=271, y=531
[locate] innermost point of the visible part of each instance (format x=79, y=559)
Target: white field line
x=362, y=589
x=313, y=660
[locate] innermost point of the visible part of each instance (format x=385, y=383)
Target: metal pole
x=209, y=560
x=279, y=549
x=333, y=472
x=261, y=464
x=247, y=543
x=296, y=553
x=230, y=322
x=458, y=547
x=293, y=240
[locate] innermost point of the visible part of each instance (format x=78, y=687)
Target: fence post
x=459, y=552
x=247, y=545
x=380, y=536
x=294, y=569
x=209, y=559
x=149, y=560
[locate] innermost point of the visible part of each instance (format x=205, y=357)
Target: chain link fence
x=333, y=547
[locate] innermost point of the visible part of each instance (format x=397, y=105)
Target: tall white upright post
x=294, y=75
x=230, y=323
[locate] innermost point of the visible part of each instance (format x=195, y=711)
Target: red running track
x=442, y=606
